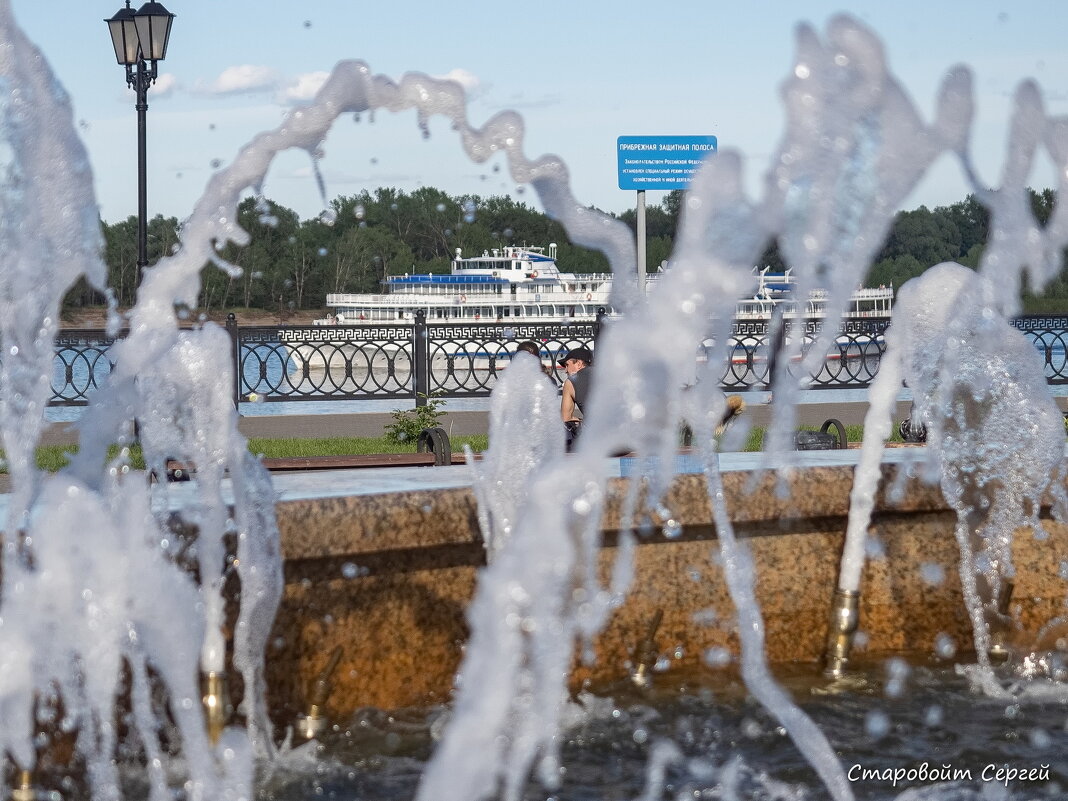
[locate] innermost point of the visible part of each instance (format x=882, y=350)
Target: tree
x=368, y=255
x=929, y=237
x=120, y=253
x=972, y=220
x=372, y=234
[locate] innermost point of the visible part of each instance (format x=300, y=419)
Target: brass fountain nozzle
x=998, y=624
x=216, y=704
x=25, y=791
x=845, y=616
x=313, y=724
x=646, y=653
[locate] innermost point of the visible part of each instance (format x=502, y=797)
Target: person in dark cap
x=576, y=363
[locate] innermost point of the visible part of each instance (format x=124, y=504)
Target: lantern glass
x=124, y=36
x=153, y=30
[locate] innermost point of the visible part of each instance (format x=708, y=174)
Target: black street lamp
x=140, y=37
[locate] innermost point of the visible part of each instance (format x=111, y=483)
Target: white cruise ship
x=524, y=285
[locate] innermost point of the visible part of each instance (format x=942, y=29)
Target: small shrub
x=408, y=423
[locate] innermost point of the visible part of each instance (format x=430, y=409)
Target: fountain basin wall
x=384, y=567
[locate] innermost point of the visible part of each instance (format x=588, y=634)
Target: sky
x=580, y=72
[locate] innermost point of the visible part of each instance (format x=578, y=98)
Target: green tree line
x=292, y=264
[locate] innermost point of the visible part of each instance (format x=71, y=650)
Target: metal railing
x=419, y=359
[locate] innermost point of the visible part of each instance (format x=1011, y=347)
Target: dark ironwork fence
x=1049, y=335
x=419, y=359
x=81, y=364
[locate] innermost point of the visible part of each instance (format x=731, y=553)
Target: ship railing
x=411, y=299
x=412, y=359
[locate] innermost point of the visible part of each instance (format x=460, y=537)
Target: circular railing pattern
x=81, y=364
x=1050, y=337
x=324, y=363
x=294, y=363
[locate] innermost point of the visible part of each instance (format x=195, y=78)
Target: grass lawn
x=53, y=457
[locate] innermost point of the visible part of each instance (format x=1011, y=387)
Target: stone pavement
x=463, y=423
x=373, y=424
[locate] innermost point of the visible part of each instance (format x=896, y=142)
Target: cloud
x=302, y=88
x=470, y=82
x=164, y=86
x=243, y=78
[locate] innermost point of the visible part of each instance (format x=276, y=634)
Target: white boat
x=523, y=285
x=512, y=284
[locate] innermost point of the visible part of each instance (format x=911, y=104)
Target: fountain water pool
x=853, y=148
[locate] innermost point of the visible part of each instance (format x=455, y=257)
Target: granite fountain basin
x=383, y=565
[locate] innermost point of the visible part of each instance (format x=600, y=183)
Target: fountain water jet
x=995, y=436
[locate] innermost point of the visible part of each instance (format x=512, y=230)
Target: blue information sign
x=661, y=162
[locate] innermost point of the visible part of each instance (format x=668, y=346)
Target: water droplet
x=1040, y=738
x=717, y=657
x=933, y=716
x=944, y=646
x=932, y=573
x=359, y=211
x=216, y=163
x=751, y=729
x=440, y=207
x=877, y=724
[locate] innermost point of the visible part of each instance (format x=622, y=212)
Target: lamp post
x=140, y=40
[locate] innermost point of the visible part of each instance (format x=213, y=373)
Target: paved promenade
x=373, y=424
x=461, y=423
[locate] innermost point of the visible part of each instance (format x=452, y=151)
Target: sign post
x=658, y=162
